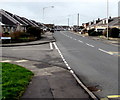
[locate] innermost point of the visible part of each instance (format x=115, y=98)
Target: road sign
x=5, y=37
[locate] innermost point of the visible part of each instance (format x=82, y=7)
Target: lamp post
x=107, y=20
x=68, y=22
x=44, y=10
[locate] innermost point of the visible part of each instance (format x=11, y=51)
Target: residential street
x=52, y=79
x=95, y=62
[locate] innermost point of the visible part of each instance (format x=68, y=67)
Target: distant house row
x=11, y=23
x=101, y=24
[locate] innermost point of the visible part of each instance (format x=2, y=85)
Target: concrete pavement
x=50, y=82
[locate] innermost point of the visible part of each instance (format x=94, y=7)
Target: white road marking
x=26, y=49
x=90, y=45
x=80, y=41
x=71, y=37
x=51, y=46
x=61, y=56
x=75, y=39
x=6, y=61
x=72, y=72
x=21, y=61
x=104, y=51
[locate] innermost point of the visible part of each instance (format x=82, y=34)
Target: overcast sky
x=89, y=10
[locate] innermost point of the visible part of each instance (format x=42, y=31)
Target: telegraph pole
x=107, y=20
x=78, y=20
x=68, y=21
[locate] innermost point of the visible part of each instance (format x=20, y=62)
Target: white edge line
x=72, y=72
x=51, y=47
x=61, y=56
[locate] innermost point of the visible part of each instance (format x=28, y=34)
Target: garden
x=31, y=34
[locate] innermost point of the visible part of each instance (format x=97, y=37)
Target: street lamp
x=45, y=8
x=107, y=20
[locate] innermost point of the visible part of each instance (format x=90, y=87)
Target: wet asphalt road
x=93, y=61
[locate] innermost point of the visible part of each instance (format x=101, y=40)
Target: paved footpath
x=49, y=81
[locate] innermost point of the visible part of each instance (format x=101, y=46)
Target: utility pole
x=78, y=20
x=68, y=21
x=107, y=20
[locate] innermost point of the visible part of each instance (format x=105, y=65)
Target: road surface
x=95, y=62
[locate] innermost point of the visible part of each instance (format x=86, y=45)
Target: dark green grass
x=14, y=81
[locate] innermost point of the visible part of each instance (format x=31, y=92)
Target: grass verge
x=14, y=81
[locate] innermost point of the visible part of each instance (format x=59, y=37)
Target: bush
x=34, y=31
x=92, y=32
x=113, y=32
x=6, y=34
x=16, y=35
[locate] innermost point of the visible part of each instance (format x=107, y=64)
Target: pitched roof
x=11, y=19
x=115, y=22
x=7, y=18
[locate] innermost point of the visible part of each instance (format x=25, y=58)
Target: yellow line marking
x=114, y=96
x=114, y=53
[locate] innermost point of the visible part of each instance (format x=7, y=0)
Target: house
x=101, y=24
x=11, y=23
x=112, y=23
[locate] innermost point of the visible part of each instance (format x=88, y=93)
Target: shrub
x=92, y=32
x=6, y=34
x=112, y=32
x=16, y=35
x=34, y=31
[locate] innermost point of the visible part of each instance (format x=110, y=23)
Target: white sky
x=89, y=10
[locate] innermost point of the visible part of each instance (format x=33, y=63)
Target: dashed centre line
x=90, y=45
x=80, y=41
